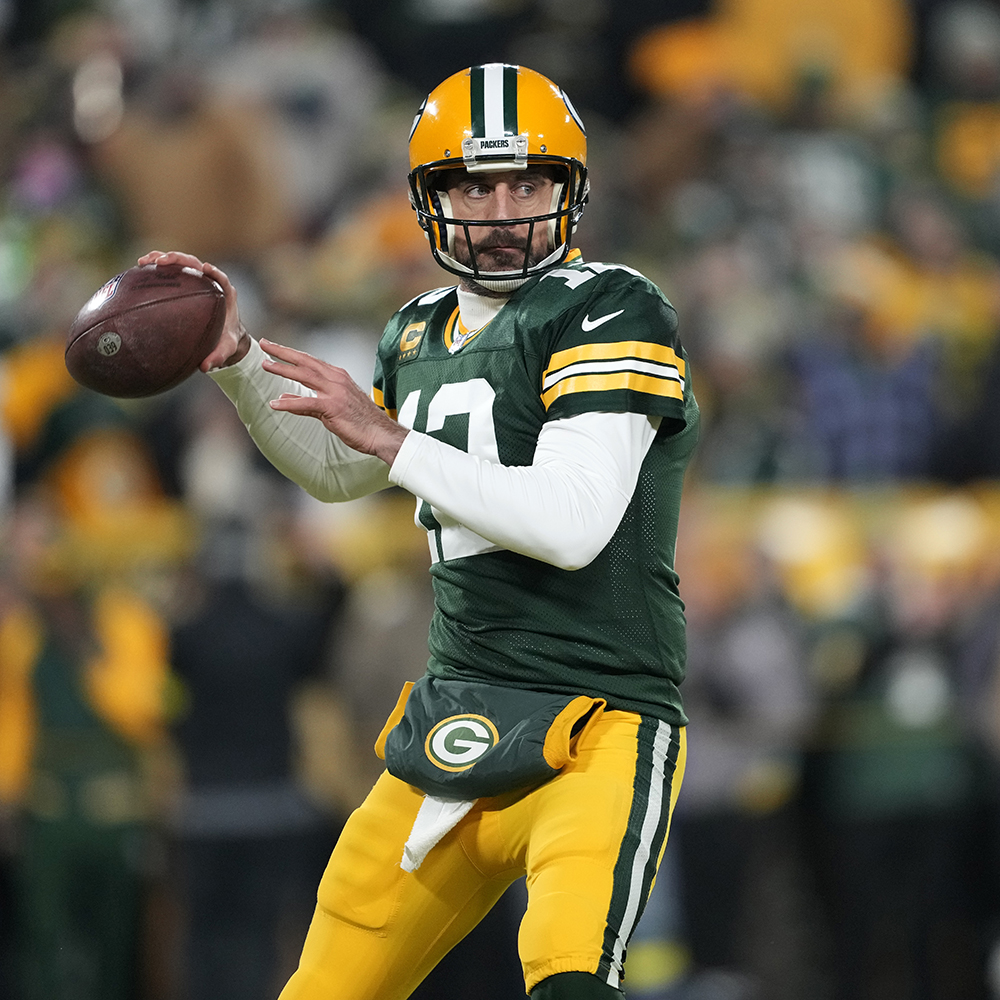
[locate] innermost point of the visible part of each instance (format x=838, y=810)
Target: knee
x=575, y=986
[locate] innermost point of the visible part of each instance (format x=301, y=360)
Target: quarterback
x=540, y=409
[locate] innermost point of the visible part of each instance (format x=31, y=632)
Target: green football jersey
x=582, y=337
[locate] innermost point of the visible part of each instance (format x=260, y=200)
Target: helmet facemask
x=497, y=118
x=434, y=210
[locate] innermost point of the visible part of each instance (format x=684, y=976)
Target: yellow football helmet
x=497, y=117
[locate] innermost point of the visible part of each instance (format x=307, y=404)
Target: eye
x=531, y=187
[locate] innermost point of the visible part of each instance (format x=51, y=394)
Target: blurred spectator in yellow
x=83, y=673
x=922, y=279
x=963, y=87
x=83, y=666
x=771, y=50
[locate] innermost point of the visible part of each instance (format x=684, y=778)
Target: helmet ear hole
x=558, y=227
x=441, y=203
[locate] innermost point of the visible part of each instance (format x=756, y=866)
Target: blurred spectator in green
x=979, y=692
x=969, y=448
x=893, y=775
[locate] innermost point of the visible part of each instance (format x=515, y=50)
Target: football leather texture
x=145, y=331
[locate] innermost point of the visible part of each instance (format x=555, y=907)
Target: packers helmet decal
x=573, y=112
x=416, y=121
x=497, y=117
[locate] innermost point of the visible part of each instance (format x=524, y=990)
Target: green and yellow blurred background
x=195, y=658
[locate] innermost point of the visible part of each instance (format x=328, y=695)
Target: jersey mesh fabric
x=585, y=337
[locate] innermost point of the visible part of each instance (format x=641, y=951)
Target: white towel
x=434, y=819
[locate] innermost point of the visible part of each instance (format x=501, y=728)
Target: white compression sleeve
x=301, y=448
x=561, y=509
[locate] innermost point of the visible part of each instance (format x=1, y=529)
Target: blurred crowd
x=195, y=658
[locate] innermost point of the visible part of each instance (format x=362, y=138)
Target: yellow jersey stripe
x=621, y=349
x=457, y=334
x=450, y=326
x=378, y=398
x=634, y=381
x=617, y=365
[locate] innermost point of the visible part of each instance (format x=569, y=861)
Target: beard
x=499, y=250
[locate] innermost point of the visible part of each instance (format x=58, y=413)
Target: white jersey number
x=473, y=398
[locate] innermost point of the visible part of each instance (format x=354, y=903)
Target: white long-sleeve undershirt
x=300, y=448
x=562, y=509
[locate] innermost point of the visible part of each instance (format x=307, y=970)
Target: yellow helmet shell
x=496, y=117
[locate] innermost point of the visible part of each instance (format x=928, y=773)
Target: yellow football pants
x=589, y=841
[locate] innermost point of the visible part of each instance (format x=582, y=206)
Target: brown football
x=145, y=331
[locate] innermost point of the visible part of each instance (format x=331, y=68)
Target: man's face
x=508, y=194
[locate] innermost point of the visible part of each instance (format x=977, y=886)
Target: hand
x=341, y=406
x=234, y=341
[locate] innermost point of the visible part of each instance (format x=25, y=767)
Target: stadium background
x=815, y=185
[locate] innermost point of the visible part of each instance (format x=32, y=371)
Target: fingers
x=305, y=406
x=306, y=365
x=171, y=257
x=291, y=403
x=233, y=345
x=168, y=257
x=217, y=274
x=286, y=398
x=234, y=342
x=310, y=371
x=289, y=355
x=218, y=357
x=324, y=379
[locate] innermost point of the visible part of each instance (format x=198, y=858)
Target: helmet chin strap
x=502, y=281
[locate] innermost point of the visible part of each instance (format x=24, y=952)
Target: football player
x=541, y=411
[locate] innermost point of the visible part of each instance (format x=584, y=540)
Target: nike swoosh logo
x=589, y=324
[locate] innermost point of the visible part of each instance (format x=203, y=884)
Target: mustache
x=502, y=237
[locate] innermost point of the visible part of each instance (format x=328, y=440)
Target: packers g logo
x=456, y=743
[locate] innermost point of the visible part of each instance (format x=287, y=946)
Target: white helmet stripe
x=493, y=99
x=493, y=91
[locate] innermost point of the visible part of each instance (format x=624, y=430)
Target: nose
x=502, y=204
